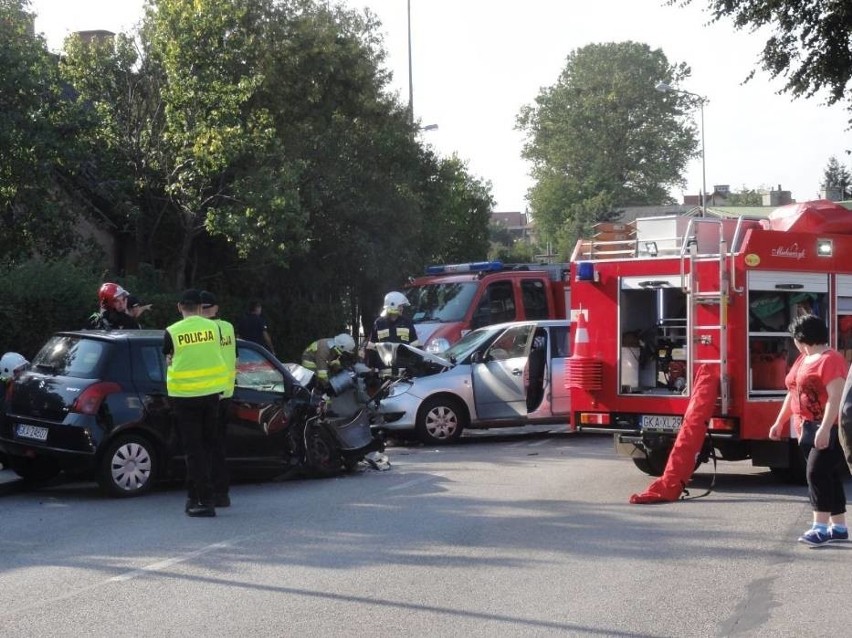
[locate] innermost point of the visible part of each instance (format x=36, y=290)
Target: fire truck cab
x=451, y=300
x=719, y=291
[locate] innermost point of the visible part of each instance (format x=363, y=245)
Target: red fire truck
x=719, y=291
x=451, y=300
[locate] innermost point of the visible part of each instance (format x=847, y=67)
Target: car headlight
x=437, y=346
x=398, y=388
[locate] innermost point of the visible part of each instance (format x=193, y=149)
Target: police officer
x=219, y=466
x=112, y=314
x=392, y=326
x=196, y=377
x=325, y=355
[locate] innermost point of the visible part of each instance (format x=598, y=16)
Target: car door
x=149, y=374
x=544, y=377
x=258, y=412
x=554, y=383
x=498, y=375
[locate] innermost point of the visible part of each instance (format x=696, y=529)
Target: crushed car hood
x=414, y=361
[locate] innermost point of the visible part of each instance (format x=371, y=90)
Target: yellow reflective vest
x=229, y=353
x=197, y=367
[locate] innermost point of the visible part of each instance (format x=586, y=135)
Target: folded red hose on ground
x=690, y=438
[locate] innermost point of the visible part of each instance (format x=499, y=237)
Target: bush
x=39, y=298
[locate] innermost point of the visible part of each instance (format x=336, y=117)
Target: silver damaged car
x=503, y=375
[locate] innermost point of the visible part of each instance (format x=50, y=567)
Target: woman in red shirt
x=814, y=389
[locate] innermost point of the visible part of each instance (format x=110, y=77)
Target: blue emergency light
x=476, y=266
x=585, y=271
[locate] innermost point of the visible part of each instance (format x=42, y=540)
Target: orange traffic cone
x=581, y=338
x=582, y=370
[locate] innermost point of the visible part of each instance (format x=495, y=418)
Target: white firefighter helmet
x=10, y=363
x=394, y=301
x=344, y=342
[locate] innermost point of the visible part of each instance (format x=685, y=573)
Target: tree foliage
x=810, y=45
x=836, y=177
x=602, y=138
x=37, y=146
x=745, y=197
x=251, y=147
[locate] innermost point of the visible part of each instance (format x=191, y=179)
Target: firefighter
x=326, y=356
x=11, y=365
x=195, y=379
x=112, y=314
x=392, y=326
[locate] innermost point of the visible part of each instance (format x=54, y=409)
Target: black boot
x=200, y=510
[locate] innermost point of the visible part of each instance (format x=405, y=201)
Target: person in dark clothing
x=252, y=327
x=195, y=379
x=219, y=467
x=392, y=326
x=112, y=314
x=135, y=308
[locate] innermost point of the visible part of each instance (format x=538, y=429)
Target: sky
x=476, y=63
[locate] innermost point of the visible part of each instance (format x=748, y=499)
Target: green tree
x=745, y=197
x=37, y=141
x=837, y=177
x=204, y=49
x=119, y=188
x=602, y=138
x=253, y=147
x=809, y=43
x=458, y=211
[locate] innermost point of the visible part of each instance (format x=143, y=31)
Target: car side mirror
x=480, y=357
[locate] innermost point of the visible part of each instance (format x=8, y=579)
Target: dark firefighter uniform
x=110, y=319
x=395, y=328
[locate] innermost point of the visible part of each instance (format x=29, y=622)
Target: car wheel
x=129, y=467
x=321, y=451
x=440, y=420
x=34, y=470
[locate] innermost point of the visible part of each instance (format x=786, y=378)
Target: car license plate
x=657, y=422
x=31, y=432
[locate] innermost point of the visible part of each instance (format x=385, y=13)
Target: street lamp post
x=667, y=88
x=410, y=77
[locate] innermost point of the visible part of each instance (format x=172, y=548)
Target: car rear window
x=69, y=356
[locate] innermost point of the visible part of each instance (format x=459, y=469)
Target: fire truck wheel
x=653, y=464
x=441, y=419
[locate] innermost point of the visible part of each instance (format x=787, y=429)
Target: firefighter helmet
x=344, y=342
x=394, y=301
x=109, y=292
x=10, y=363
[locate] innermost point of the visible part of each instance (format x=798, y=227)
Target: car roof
x=544, y=323
x=129, y=335
x=113, y=335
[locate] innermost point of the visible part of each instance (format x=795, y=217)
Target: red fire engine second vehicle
x=451, y=300
x=706, y=290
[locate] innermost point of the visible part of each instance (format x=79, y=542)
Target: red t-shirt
x=807, y=383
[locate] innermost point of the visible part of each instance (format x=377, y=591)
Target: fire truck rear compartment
x=653, y=336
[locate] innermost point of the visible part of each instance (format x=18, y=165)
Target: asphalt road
x=528, y=535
